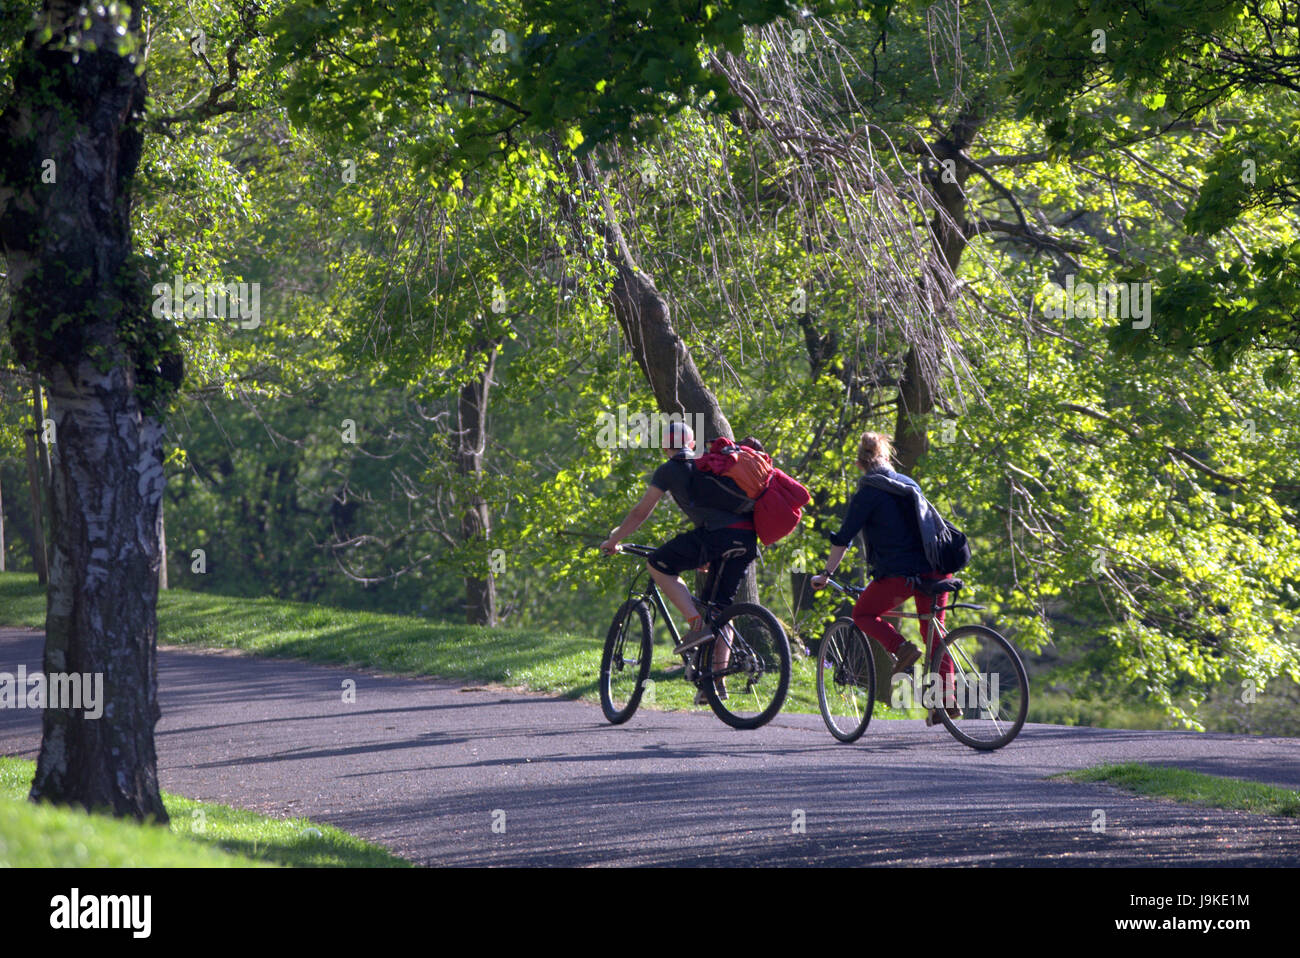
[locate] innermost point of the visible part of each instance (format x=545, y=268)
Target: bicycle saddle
x=934, y=587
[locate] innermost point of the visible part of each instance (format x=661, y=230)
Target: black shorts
x=690, y=550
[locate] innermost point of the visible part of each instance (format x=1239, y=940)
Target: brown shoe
x=933, y=718
x=906, y=657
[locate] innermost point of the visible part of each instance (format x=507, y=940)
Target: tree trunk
x=476, y=523
x=80, y=318
x=162, y=548
x=39, y=471
x=43, y=461
x=101, y=611
x=915, y=402
x=644, y=317
x=948, y=235
x=38, y=512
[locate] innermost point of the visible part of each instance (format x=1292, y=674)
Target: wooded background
x=478, y=228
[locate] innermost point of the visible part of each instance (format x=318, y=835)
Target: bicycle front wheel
x=989, y=686
x=846, y=680
x=750, y=658
x=625, y=663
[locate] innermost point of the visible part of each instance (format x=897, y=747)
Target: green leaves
x=1190, y=65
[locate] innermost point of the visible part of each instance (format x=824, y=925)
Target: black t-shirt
x=674, y=477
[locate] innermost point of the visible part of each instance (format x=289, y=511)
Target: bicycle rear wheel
x=625, y=663
x=754, y=663
x=846, y=680
x=990, y=688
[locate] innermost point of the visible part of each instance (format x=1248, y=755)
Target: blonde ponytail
x=875, y=450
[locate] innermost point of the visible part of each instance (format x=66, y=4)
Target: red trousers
x=884, y=595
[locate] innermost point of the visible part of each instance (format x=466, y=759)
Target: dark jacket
x=894, y=545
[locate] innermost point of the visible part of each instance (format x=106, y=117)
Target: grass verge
x=200, y=835
x=556, y=663
x=1193, y=788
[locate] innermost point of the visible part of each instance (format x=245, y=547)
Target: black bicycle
x=744, y=671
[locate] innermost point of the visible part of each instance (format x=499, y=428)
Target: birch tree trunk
x=80, y=318
x=38, y=511
x=162, y=548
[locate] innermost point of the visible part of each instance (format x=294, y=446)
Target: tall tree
x=476, y=521
x=80, y=318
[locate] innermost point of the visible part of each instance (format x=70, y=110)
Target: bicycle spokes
x=989, y=687
x=750, y=661
x=845, y=681
x=625, y=663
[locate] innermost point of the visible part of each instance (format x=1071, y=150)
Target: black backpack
x=954, y=549
x=718, y=492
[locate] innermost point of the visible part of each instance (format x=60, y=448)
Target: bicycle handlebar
x=851, y=590
x=855, y=591
x=637, y=550
x=595, y=540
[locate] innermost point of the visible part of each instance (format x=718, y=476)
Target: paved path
x=427, y=767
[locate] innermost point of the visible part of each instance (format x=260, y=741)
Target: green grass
x=404, y=645
x=22, y=600
x=1193, y=788
x=556, y=663
x=200, y=835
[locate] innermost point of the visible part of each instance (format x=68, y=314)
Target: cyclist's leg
x=937, y=605
x=670, y=560
x=878, y=598
x=729, y=573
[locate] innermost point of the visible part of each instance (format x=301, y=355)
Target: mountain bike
x=744, y=671
x=989, y=686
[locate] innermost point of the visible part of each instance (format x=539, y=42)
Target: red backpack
x=778, y=500
x=747, y=468
x=778, y=511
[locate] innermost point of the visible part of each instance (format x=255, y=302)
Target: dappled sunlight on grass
x=200, y=835
x=1194, y=788
x=555, y=663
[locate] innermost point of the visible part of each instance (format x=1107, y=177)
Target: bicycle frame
x=655, y=599
x=965, y=679
x=931, y=619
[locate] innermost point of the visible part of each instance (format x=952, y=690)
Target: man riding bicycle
x=716, y=532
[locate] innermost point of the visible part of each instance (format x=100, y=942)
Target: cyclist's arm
x=832, y=563
x=860, y=508
x=638, y=514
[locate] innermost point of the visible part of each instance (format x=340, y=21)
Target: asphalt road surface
x=445, y=774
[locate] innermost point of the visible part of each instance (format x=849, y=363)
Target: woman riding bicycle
x=897, y=559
